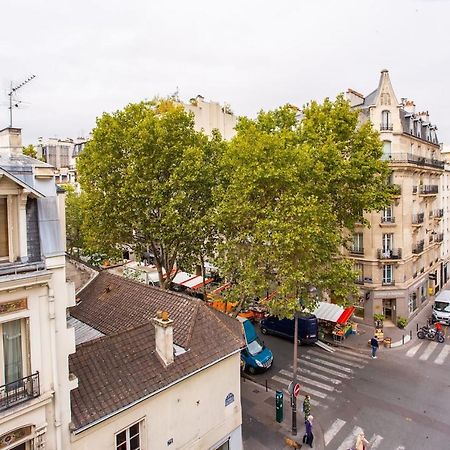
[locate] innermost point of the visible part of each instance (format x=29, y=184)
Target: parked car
x=441, y=308
x=255, y=357
x=307, y=328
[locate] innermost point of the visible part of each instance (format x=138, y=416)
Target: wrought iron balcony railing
x=428, y=189
x=387, y=220
x=391, y=253
x=386, y=127
x=418, y=248
x=19, y=391
x=388, y=282
x=409, y=158
x=438, y=213
x=357, y=251
x=417, y=219
x=439, y=237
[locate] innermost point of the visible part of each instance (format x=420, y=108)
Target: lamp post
x=294, y=377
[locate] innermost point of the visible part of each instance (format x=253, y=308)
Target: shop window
x=224, y=446
x=130, y=438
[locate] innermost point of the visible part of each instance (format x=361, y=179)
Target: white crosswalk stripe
x=442, y=355
x=333, y=430
x=328, y=363
x=428, y=351
x=412, y=351
x=336, y=359
x=353, y=353
x=375, y=441
x=287, y=382
x=308, y=381
x=350, y=440
x=315, y=374
x=323, y=369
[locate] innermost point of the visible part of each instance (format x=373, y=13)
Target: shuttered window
x=4, y=245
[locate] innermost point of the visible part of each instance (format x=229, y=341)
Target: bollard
x=279, y=406
x=403, y=340
x=410, y=334
x=266, y=384
x=417, y=327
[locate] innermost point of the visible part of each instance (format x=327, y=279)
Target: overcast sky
x=91, y=56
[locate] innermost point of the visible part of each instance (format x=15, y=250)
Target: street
x=401, y=400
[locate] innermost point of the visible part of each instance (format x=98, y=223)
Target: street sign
x=296, y=390
x=291, y=387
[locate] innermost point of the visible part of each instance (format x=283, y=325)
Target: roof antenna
x=11, y=92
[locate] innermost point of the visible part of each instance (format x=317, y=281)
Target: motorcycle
x=431, y=333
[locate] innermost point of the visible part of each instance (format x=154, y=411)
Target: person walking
x=307, y=406
x=374, y=345
x=308, y=438
x=361, y=442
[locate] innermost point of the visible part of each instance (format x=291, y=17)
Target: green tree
x=148, y=177
x=291, y=192
x=29, y=150
x=74, y=221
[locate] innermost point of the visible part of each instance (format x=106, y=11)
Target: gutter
x=130, y=405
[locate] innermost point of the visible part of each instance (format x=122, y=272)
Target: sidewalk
x=260, y=431
x=398, y=337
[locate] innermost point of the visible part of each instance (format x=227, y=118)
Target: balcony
x=428, y=189
x=439, y=237
x=386, y=127
x=357, y=251
x=387, y=220
x=438, y=214
x=417, y=219
x=409, y=158
x=19, y=268
x=418, y=248
x=388, y=282
x=19, y=391
x=394, y=253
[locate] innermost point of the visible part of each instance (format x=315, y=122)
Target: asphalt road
x=401, y=400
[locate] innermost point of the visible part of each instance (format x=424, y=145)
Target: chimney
x=164, y=336
x=354, y=97
x=409, y=106
x=10, y=142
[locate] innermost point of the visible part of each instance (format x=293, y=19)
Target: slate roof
x=122, y=367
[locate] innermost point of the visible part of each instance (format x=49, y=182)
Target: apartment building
x=211, y=115
x=444, y=190
x=35, y=341
x=155, y=369
x=398, y=256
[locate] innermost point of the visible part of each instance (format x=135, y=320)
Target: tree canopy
x=29, y=150
x=291, y=191
x=148, y=178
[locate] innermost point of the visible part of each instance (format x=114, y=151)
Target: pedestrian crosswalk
x=321, y=374
x=429, y=351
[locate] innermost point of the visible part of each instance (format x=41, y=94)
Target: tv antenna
x=11, y=92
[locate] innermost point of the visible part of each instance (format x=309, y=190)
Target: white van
x=441, y=308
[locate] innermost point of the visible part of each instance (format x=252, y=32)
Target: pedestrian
x=374, y=345
x=307, y=406
x=361, y=442
x=308, y=437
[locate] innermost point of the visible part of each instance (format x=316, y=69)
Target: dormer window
x=411, y=125
x=386, y=120
x=418, y=128
x=4, y=235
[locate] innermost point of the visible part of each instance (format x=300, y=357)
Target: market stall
x=344, y=327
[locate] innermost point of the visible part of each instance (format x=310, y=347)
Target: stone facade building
x=398, y=257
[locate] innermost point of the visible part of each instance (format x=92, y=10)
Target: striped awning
x=328, y=311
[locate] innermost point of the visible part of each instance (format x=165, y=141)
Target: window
x=388, y=239
x=359, y=268
x=4, y=240
x=388, y=214
x=13, y=351
x=357, y=245
x=412, y=302
x=224, y=446
x=385, y=120
x=129, y=439
x=386, y=150
x=387, y=274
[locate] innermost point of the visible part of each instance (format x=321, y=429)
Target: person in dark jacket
x=308, y=437
x=374, y=345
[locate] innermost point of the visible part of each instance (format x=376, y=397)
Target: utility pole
x=11, y=92
x=294, y=378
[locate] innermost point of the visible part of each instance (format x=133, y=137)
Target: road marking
x=311, y=400
x=318, y=375
x=336, y=359
x=303, y=389
x=327, y=363
x=304, y=362
x=400, y=447
x=356, y=357
x=375, y=441
x=350, y=440
x=308, y=381
x=353, y=353
x=333, y=430
x=442, y=355
x=428, y=351
x=412, y=351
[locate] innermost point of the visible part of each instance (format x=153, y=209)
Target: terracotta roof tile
x=122, y=367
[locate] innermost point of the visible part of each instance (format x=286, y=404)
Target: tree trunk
x=239, y=306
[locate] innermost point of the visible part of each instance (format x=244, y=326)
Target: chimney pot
x=164, y=337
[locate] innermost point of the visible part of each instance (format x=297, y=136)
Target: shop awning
x=328, y=311
x=346, y=315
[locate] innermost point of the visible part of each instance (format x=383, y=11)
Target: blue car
x=255, y=357
x=308, y=328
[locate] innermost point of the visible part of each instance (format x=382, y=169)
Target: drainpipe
x=52, y=317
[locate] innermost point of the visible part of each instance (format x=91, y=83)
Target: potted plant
x=402, y=322
x=378, y=319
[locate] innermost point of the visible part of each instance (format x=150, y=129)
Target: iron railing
x=439, y=237
x=418, y=218
x=388, y=282
x=391, y=253
x=386, y=219
x=438, y=213
x=418, y=248
x=428, y=189
x=19, y=391
x=357, y=251
x=414, y=159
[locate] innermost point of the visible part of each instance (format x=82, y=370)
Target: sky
x=92, y=56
